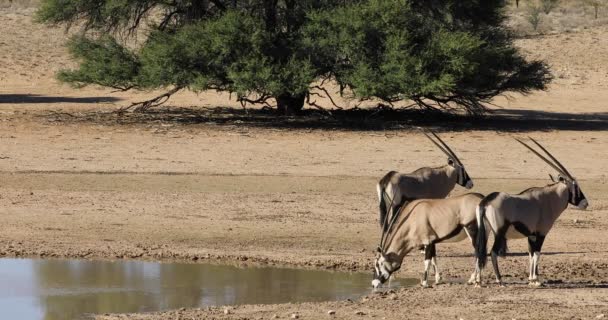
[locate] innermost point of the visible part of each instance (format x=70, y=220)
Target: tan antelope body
x=530, y=214
x=424, y=183
x=422, y=224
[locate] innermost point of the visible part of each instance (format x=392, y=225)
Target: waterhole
x=74, y=289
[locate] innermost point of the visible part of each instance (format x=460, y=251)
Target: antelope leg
x=535, y=244
x=499, y=243
x=427, y=265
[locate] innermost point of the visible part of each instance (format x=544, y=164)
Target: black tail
x=481, y=243
x=382, y=184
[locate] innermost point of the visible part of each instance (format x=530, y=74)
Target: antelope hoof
x=472, y=280
x=438, y=280
x=425, y=285
x=500, y=284
x=477, y=284
x=535, y=283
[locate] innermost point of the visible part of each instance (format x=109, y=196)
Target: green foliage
x=439, y=54
x=392, y=50
x=103, y=62
x=533, y=15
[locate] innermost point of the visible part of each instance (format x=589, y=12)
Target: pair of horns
x=443, y=146
x=554, y=164
x=392, y=216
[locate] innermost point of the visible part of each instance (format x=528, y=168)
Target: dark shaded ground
x=509, y=120
x=35, y=98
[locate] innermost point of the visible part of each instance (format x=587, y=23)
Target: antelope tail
x=381, y=188
x=481, y=242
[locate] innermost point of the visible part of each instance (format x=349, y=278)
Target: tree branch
x=143, y=106
x=328, y=96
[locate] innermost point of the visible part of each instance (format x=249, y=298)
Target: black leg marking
x=498, y=249
x=535, y=244
x=472, y=231
x=428, y=249
x=429, y=252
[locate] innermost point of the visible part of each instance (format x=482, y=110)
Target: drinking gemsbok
x=421, y=224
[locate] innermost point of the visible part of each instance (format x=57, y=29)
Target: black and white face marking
x=383, y=270
x=575, y=195
x=462, y=177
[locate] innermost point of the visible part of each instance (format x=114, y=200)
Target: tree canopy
x=439, y=54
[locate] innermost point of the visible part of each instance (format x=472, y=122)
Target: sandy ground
x=299, y=197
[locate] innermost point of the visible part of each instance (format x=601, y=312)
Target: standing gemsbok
x=421, y=224
x=424, y=183
x=530, y=214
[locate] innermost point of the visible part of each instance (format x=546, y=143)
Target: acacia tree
x=439, y=54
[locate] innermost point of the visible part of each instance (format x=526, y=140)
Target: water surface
x=71, y=289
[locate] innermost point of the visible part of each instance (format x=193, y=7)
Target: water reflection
x=68, y=289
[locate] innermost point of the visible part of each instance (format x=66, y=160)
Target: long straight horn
x=388, y=214
x=540, y=156
x=447, y=147
x=552, y=158
x=447, y=153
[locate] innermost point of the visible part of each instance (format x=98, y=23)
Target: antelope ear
x=552, y=178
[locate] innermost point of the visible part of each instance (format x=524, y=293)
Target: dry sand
x=301, y=197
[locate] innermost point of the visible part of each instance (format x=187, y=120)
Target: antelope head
x=575, y=194
x=384, y=266
x=386, y=263
x=462, y=177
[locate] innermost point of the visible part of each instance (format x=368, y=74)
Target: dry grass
x=569, y=16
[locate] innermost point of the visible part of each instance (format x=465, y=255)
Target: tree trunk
x=289, y=105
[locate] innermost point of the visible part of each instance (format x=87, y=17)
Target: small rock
x=360, y=313
x=226, y=311
x=274, y=316
x=331, y=312
x=295, y=316
x=600, y=316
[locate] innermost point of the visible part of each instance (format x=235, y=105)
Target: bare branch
x=327, y=96
x=315, y=105
x=143, y=106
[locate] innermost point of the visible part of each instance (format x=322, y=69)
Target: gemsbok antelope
x=424, y=183
x=529, y=214
x=421, y=224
